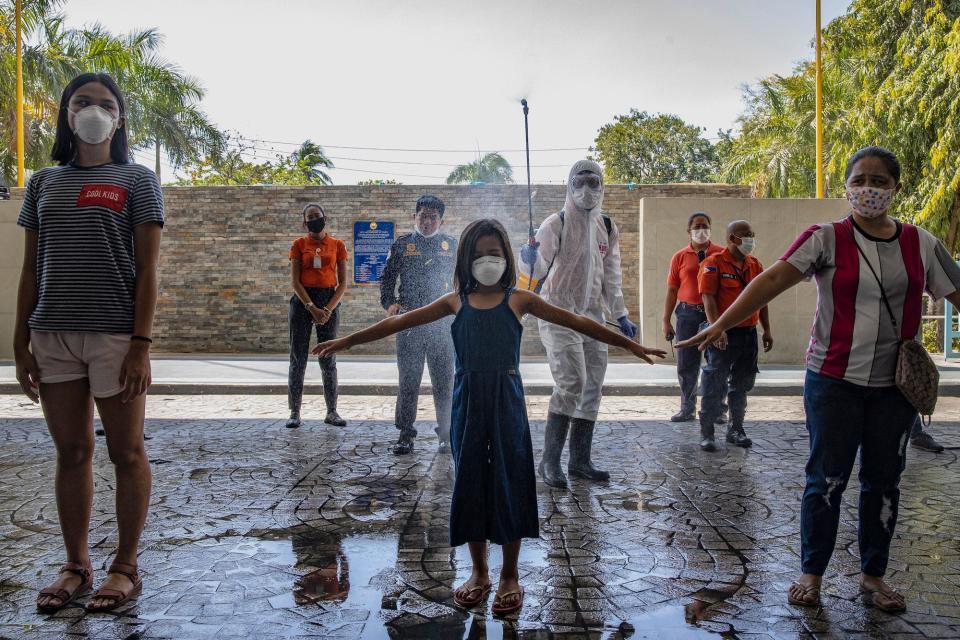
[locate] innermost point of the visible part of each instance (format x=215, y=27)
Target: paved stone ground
x=257, y=531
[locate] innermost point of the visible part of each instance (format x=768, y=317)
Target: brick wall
x=224, y=272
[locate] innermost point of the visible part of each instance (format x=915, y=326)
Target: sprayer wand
x=526, y=138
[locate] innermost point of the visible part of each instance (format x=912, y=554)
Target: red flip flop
x=499, y=610
x=468, y=602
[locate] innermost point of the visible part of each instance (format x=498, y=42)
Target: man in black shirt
x=423, y=261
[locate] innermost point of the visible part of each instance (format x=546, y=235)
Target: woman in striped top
x=88, y=292
x=871, y=271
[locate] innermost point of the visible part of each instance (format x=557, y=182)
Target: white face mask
x=426, y=235
x=488, y=270
x=747, y=245
x=93, y=124
x=587, y=198
x=700, y=236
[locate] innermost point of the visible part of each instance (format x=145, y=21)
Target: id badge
x=317, y=263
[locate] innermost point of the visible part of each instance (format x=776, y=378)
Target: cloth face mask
x=870, y=202
x=316, y=225
x=700, y=235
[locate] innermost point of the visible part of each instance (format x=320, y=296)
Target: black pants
x=689, y=319
x=301, y=322
x=433, y=343
x=733, y=370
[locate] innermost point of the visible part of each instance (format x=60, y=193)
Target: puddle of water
x=665, y=622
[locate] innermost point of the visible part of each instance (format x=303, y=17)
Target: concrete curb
x=665, y=388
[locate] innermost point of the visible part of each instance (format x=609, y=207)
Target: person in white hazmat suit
x=576, y=255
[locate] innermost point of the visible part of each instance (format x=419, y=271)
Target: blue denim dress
x=495, y=490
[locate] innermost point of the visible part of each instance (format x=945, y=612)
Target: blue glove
x=528, y=252
x=627, y=328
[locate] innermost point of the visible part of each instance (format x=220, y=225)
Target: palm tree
x=162, y=101
x=308, y=159
x=490, y=169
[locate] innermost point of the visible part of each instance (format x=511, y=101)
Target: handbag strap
x=883, y=293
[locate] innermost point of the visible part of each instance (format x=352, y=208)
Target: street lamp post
x=819, y=108
x=19, y=28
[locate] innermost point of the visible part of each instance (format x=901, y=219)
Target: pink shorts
x=71, y=355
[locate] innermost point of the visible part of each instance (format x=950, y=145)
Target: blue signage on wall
x=371, y=246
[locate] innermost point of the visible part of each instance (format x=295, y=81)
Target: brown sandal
x=66, y=597
x=869, y=597
x=811, y=590
x=118, y=597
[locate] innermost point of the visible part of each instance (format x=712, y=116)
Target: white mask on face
x=587, y=198
x=700, y=236
x=93, y=124
x=427, y=235
x=747, y=245
x=488, y=270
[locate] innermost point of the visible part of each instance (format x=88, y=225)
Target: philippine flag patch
x=709, y=269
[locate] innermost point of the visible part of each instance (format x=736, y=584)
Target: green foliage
x=162, y=101
x=492, y=168
x=643, y=148
x=305, y=166
x=931, y=341
x=891, y=76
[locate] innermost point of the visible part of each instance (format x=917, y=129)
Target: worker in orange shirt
x=683, y=298
x=732, y=360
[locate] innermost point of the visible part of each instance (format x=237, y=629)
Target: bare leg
x=510, y=575
x=123, y=424
x=480, y=575
x=68, y=409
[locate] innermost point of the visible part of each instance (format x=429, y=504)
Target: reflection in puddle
x=344, y=570
x=675, y=623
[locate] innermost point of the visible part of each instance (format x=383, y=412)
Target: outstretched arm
x=437, y=309
x=761, y=290
x=537, y=306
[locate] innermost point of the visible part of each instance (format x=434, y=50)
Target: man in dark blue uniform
x=423, y=261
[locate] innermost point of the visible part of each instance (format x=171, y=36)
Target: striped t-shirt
x=84, y=217
x=852, y=337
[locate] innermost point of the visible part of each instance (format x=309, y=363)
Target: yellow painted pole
x=19, y=28
x=819, y=107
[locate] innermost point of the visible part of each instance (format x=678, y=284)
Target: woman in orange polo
x=318, y=273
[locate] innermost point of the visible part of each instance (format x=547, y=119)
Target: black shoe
x=404, y=445
x=721, y=419
x=294, y=421
x=683, y=416
x=926, y=442
x=738, y=437
x=334, y=419
x=444, y=448
x=100, y=432
x=708, y=444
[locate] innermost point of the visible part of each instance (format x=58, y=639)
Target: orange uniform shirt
x=684, y=269
x=721, y=277
x=318, y=260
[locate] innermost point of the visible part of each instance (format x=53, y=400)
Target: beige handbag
x=917, y=376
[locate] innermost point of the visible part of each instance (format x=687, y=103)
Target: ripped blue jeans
x=843, y=417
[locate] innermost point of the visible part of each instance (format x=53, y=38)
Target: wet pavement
x=257, y=531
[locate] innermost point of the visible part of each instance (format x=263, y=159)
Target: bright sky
x=448, y=75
